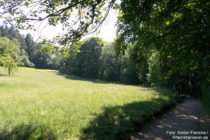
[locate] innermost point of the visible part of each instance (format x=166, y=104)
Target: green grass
x=41, y=104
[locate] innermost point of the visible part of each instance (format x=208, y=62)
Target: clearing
x=42, y=104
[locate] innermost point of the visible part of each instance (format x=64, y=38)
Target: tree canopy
x=9, y=54
x=77, y=17
x=176, y=35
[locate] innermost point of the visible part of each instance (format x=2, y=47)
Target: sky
x=107, y=31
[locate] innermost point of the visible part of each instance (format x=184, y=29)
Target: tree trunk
x=9, y=71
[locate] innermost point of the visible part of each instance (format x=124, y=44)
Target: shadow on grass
x=98, y=81
x=3, y=84
x=72, y=77
x=28, y=131
x=114, y=121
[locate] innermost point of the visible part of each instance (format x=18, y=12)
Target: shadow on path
x=128, y=121
x=188, y=116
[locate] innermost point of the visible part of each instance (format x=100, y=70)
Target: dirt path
x=185, y=121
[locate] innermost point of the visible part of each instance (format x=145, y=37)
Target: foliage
x=54, y=106
x=86, y=62
x=98, y=60
x=118, y=68
x=31, y=46
x=26, y=61
x=32, y=54
x=12, y=33
x=37, y=53
x=76, y=17
x=175, y=33
x=110, y=65
x=10, y=51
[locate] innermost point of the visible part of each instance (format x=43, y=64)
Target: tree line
x=97, y=59
x=94, y=59
x=166, y=42
x=31, y=53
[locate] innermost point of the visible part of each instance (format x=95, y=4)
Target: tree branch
x=55, y=14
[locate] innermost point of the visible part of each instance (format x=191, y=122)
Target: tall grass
x=41, y=104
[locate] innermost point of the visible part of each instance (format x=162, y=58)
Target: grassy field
x=42, y=104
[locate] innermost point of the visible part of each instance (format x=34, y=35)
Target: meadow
x=43, y=104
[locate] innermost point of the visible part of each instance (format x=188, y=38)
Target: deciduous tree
x=10, y=54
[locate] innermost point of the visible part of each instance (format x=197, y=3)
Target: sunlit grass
x=43, y=104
